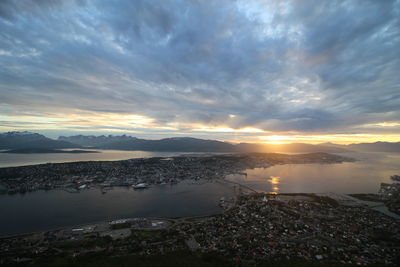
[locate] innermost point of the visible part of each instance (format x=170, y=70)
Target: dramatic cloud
x=187, y=66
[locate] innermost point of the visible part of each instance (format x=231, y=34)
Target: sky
x=242, y=71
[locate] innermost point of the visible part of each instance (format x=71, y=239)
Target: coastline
x=342, y=199
x=155, y=170
x=283, y=220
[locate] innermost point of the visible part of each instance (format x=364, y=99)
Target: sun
x=276, y=139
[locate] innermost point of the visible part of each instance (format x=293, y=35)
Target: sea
x=45, y=210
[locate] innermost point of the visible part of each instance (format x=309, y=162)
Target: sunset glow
x=135, y=124
x=242, y=71
x=218, y=132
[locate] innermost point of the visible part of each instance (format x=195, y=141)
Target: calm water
x=11, y=159
x=362, y=176
x=46, y=210
x=41, y=210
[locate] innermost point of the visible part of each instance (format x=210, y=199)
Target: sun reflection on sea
x=275, y=181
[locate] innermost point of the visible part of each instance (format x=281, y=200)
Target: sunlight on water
x=58, y=208
x=362, y=176
x=275, y=181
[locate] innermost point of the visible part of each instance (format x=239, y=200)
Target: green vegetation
x=146, y=234
x=121, y=226
x=179, y=258
x=87, y=243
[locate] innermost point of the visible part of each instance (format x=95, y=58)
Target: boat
x=140, y=186
x=82, y=186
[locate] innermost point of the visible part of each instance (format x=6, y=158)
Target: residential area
x=254, y=228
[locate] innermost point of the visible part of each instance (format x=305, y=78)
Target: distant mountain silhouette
x=25, y=140
x=96, y=141
x=369, y=147
x=300, y=147
x=188, y=144
x=176, y=144
x=376, y=147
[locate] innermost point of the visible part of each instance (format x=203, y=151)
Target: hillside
x=96, y=141
x=369, y=147
x=29, y=140
x=177, y=144
x=376, y=147
x=25, y=140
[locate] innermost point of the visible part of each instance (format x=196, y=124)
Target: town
x=254, y=228
x=144, y=172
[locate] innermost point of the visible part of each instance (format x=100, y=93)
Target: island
x=145, y=171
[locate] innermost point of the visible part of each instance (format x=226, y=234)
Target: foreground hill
x=28, y=140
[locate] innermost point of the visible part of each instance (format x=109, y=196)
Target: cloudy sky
x=251, y=70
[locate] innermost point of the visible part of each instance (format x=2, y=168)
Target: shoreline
x=255, y=226
x=154, y=170
x=342, y=199
x=344, y=157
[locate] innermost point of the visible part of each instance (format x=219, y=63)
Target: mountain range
x=188, y=144
x=29, y=140
x=96, y=141
x=370, y=147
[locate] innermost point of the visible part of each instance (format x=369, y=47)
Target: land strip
x=143, y=172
